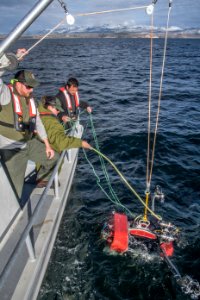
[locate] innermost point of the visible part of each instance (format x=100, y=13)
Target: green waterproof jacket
x=58, y=140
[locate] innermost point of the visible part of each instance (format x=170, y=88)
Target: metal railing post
x=30, y=248
x=56, y=183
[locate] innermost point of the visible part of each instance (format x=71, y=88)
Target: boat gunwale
x=11, y=261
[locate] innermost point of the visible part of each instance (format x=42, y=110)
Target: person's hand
x=49, y=152
x=85, y=145
x=21, y=52
x=89, y=109
x=65, y=119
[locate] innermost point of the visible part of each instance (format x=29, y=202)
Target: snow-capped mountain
x=125, y=28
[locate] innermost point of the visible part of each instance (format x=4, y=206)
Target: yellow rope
x=147, y=205
x=127, y=184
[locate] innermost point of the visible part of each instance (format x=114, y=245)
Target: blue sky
x=184, y=14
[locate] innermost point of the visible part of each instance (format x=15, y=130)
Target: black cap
x=53, y=101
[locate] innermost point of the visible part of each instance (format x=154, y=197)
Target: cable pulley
x=69, y=18
x=150, y=9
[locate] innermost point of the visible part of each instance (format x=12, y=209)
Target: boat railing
x=25, y=236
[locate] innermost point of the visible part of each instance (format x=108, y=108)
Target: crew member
x=20, y=123
x=70, y=102
x=49, y=109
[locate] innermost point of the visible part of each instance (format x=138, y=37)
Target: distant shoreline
x=120, y=35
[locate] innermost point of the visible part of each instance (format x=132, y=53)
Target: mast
x=30, y=17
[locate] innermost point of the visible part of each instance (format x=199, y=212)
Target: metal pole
x=30, y=248
x=31, y=16
x=56, y=183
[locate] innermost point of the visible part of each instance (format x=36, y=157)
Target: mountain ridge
x=115, y=31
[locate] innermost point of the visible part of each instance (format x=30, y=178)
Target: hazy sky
x=184, y=14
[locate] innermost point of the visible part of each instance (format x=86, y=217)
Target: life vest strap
x=45, y=114
x=24, y=126
x=19, y=125
x=7, y=124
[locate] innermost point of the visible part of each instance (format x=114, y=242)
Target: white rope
x=78, y=15
x=159, y=98
x=40, y=40
x=149, y=105
x=110, y=11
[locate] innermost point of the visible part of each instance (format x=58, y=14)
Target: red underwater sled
x=167, y=248
x=140, y=232
x=120, y=235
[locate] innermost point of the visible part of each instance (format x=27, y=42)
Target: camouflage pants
x=15, y=163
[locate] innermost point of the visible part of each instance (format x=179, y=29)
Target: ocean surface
x=114, y=79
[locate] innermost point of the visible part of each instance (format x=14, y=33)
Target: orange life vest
x=69, y=100
x=19, y=125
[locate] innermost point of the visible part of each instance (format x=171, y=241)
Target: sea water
x=114, y=79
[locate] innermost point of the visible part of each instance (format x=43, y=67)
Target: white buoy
x=70, y=19
x=150, y=9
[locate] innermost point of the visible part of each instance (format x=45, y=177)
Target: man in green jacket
x=49, y=108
